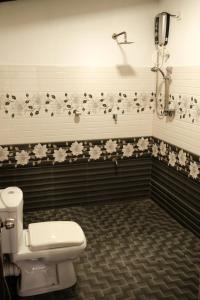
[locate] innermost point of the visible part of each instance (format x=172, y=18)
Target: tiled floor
x=135, y=251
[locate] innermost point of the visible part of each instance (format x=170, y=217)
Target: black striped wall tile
x=120, y=169
x=177, y=194
x=61, y=185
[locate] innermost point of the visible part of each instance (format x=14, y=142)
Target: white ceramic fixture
x=44, y=252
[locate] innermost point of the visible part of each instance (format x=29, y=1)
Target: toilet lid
x=56, y=234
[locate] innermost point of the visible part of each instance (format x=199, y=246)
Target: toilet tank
x=11, y=206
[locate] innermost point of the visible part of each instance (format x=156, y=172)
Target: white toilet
x=44, y=252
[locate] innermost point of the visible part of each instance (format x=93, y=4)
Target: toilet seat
x=55, y=234
x=51, y=255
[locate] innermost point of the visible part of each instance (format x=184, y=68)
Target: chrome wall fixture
x=125, y=42
x=161, y=38
x=168, y=111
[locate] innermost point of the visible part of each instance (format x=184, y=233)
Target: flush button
x=11, y=192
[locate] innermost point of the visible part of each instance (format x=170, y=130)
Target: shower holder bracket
x=177, y=16
x=169, y=112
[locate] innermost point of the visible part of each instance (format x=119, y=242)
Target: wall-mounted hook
x=115, y=36
x=115, y=118
x=177, y=16
x=77, y=113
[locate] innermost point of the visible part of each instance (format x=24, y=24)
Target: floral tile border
x=180, y=159
x=30, y=155
x=68, y=104
x=187, y=107
x=68, y=152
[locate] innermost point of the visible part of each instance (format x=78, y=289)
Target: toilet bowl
x=44, y=252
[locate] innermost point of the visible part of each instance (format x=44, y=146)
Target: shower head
x=125, y=42
x=156, y=69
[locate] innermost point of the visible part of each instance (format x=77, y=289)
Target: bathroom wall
x=75, y=33
x=170, y=188
x=59, y=174
x=184, y=45
x=58, y=57
x=34, y=106
x=54, y=48
x=184, y=48
x=184, y=129
x=57, y=61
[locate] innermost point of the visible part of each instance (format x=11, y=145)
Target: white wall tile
x=18, y=80
x=182, y=133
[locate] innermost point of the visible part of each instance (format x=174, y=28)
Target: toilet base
x=39, y=277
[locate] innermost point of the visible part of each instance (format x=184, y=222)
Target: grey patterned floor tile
x=135, y=251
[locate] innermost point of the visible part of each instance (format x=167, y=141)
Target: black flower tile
x=24, y=155
x=180, y=159
x=77, y=151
